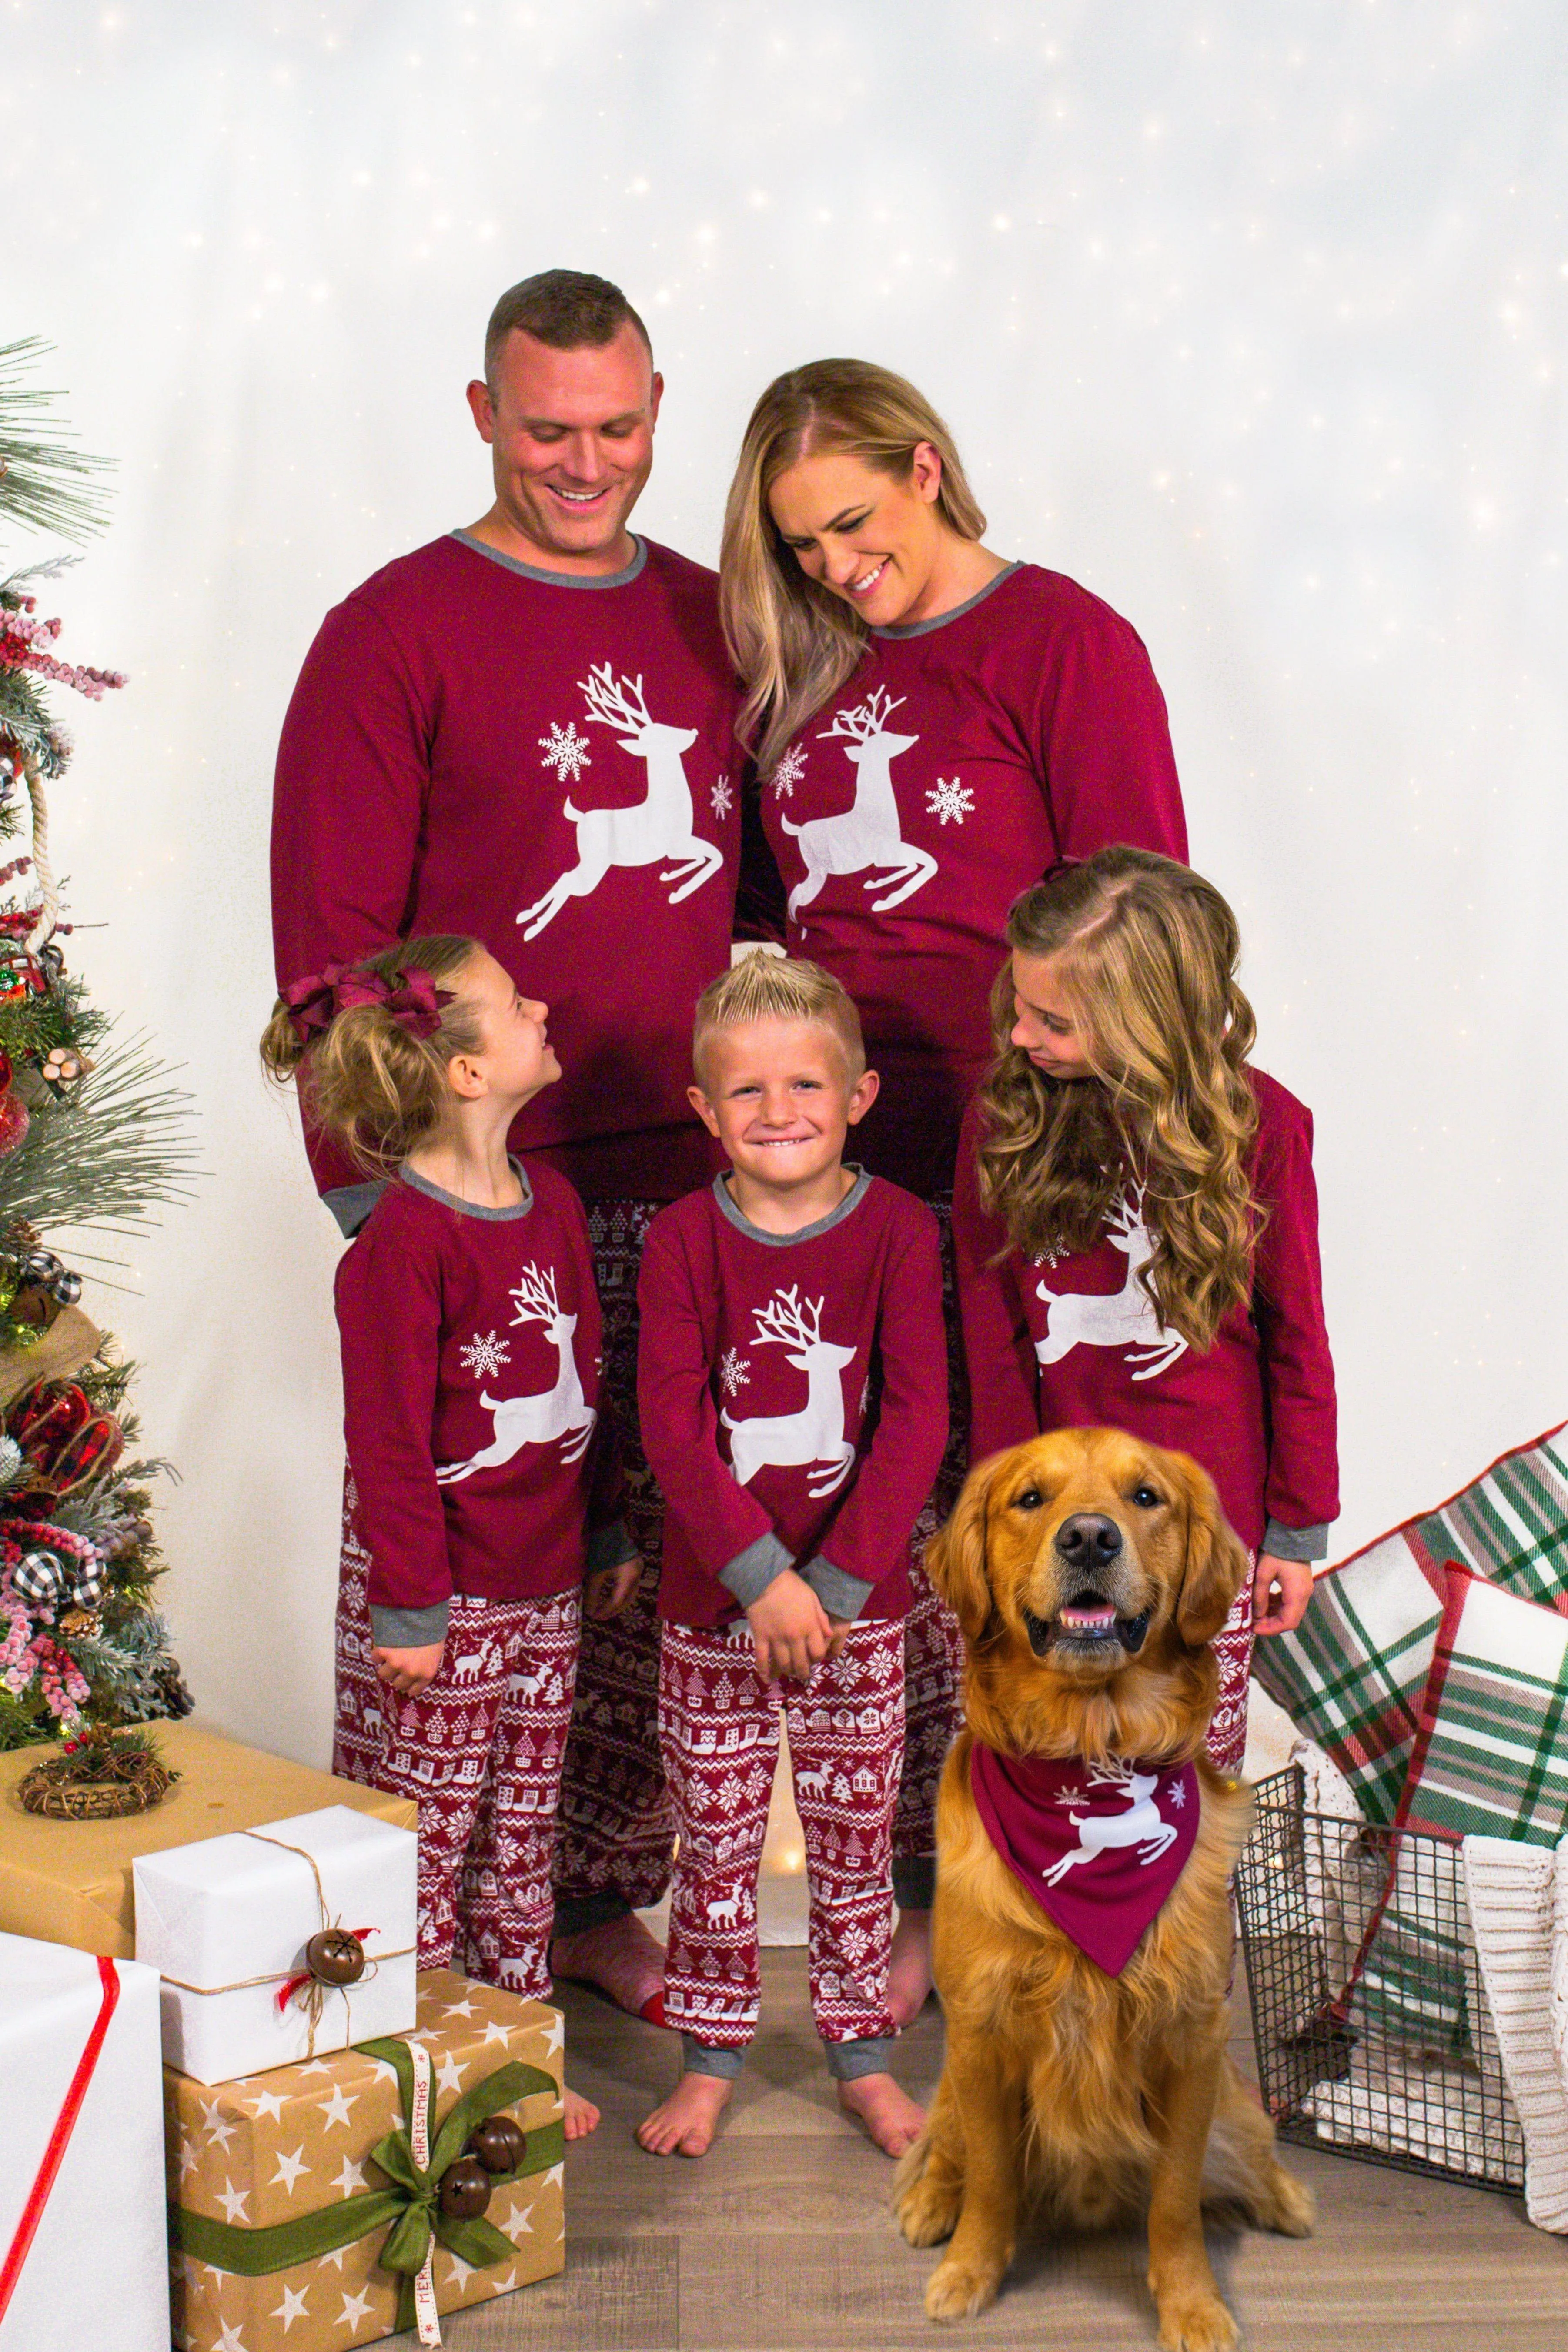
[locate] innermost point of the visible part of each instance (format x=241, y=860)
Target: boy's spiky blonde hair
x=763, y=987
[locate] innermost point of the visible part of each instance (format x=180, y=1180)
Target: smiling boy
x=793, y=1391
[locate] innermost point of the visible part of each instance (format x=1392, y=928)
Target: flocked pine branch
x=103, y=1157
x=44, y=481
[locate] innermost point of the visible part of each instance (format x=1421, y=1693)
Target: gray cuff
x=846, y=2061
x=843, y=1596
x=409, y=1629
x=607, y=1548
x=698, y=2058
x=352, y=1205
x=750, y=1573
x=1297, y=1543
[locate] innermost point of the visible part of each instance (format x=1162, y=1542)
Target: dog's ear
x=955, y=1556
x=1217, y=1562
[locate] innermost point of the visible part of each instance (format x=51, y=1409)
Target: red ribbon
x=306, y=1975
x=314, y=1002
x=59, y=2139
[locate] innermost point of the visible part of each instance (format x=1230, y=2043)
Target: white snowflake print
x=733, y=1372
x=484, y=1355
x=1176, y=1796
x=949, y=798
x=566, y=752
x=788, y=773
x=1071, y=1796
x=722, y=798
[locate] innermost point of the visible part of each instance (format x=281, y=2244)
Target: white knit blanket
x=1517, y=1897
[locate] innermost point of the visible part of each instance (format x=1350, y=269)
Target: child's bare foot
x=891, y=2119
x=909, y=1970
x=621, y=1959
x=686, y=2123
x=582, y=2115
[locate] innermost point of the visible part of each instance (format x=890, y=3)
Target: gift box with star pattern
x=334, y=2202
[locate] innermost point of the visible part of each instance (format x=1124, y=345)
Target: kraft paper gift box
x=82, y=2158
x=227, y=1923
x=69, y=1882
x=289, y=2194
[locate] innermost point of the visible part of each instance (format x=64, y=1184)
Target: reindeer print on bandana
x=867, y=834
x=1126, y=1318
x=541, y=1418
x=815, y=1434
x=659, y=825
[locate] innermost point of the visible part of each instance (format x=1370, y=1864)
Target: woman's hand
x=1280, y=1591
x=790, y=1629
x=408, y=1671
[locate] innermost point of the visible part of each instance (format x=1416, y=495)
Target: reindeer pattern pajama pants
x=480, y=1752
x=719, y=1726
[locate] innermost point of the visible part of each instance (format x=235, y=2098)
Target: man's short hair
x=567, y=308
x=763, y=987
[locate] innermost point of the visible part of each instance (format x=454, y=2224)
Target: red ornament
x=14, y=1122
x=4, y=1070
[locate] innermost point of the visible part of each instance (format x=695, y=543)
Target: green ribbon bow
x=412, y=2205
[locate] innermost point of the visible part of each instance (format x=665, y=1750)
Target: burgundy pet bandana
x=1099, y=1846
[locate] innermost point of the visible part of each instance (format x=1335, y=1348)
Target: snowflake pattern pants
x=479, y=1750
x=618, y=1826
x=1227, y=1739
x=719, y=1726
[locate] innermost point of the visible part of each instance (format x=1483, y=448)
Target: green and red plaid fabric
x=1492, y=1754
x=1353, y=1675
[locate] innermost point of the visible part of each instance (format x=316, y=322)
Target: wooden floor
x=781, y=2240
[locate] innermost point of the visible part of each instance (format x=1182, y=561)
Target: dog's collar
x=1098, y=1846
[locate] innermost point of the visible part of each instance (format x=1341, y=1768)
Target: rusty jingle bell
x=336, y=1957
x=465, y=2190
x=497, y=2144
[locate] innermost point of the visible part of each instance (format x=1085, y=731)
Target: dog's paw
x=1288, y=2206
x=927, y=2213
x=1193, y=2319
x=958, y=2290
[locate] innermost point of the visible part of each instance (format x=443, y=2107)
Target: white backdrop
x=1250, y=319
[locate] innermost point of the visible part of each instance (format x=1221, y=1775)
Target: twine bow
x=313, y=1004
x=411, y=2205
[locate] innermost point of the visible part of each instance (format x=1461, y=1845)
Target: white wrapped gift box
x=96, y=2273
x=226, y=1924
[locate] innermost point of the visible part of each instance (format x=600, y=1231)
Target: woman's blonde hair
x=1148, y=956
x=793, y=642
x=763, y=987
x=364, y=1077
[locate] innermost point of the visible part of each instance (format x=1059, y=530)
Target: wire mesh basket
x=1372, y=2031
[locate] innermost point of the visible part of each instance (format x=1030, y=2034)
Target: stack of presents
x=263, y=2131
x=1404, y=1904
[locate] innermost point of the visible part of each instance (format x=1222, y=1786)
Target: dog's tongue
x=1088, y=1617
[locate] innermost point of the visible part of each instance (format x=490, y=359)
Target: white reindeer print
x=659, y=825
x=561, y=1412
x=867, y=834
x=1140, y=1825
x=812, y=1784
x=724, y=1913
x=1125, y=1319
x=815, y=1433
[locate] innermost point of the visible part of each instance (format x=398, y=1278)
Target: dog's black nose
x=1087, y=1540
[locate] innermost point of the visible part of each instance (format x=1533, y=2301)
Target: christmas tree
x=92, y=1138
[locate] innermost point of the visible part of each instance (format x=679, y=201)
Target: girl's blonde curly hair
x=367, y=1080
x=1148, y=955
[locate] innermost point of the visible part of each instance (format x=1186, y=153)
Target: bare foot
x=890, y=2118
x=582, y=2115
x=620, y=1960
x=909, y=1970
x=686, y=2123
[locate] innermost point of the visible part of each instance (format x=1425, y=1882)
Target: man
x=524, y=732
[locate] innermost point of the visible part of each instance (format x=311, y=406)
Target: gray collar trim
x=847, y=1207
x=924, y=628
x=562, y=579
x=418, y=1183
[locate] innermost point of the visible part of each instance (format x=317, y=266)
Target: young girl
x=1136, y=1227
x=483, y=1497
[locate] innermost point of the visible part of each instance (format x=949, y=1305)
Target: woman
x=933, y=727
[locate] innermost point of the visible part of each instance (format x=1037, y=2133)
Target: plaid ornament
x=1492, y=1756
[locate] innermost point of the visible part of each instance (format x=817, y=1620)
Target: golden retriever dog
x=1088, y=1573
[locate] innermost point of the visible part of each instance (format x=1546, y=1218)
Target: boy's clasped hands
x=791, y=1632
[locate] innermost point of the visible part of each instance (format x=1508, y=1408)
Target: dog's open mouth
x=1084, y=1624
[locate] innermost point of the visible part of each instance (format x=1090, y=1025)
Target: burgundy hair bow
x=313, y=1004
x=1059, y=867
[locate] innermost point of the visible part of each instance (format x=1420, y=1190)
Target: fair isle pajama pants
x=719, y=1728
x=480, y=1752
